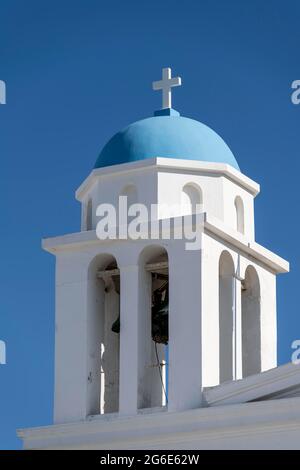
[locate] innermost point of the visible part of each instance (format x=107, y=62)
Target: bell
x=114, y=284
x=116, y=325
x=160, y=316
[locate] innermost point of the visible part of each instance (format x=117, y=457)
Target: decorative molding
x=167, y=164
x=79, y=240
x=255, y=387
x=203, y=427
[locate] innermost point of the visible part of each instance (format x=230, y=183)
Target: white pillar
x=185, y=344
x=71, y=375
x=268, y=320
x=95, y=334
x=129, y=339
x=237, y=349
x=210, y=317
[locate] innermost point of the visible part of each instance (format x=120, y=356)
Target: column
x=237, y=330
x=71, y=375
x=129, y=339
x=185, y=343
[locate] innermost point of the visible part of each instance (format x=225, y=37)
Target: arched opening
x=154, y=318
x=103, y=330
x=226, y=305
x=251, y=333
x=239, y=210
x=89, y=215
x=130, y=192
x=191, y=199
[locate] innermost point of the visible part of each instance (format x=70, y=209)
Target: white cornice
x=79, y=240
x=167, y=164
x=255, y=387
x=237, y=240
x=205, y=426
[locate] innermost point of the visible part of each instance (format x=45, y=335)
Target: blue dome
x=166, y=136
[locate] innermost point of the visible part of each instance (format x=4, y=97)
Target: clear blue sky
x=76, y=72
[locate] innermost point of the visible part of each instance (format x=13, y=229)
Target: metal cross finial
x=166, y=84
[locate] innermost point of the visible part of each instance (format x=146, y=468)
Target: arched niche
x=226, y=305
x=153, y=371
x=191, y=198
x=130, y=191
x=89, y=215
x=103, y=298
x=251, y=331
x=239, y=214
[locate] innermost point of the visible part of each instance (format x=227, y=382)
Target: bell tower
x=146, y=320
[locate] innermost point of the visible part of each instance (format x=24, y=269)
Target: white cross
x=166, y=85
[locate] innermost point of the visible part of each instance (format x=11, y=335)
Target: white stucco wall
x=230, y=191
x=78, y=301
x=273, y=424
x=194, y=336
x=211, y=252
x=163, y=183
